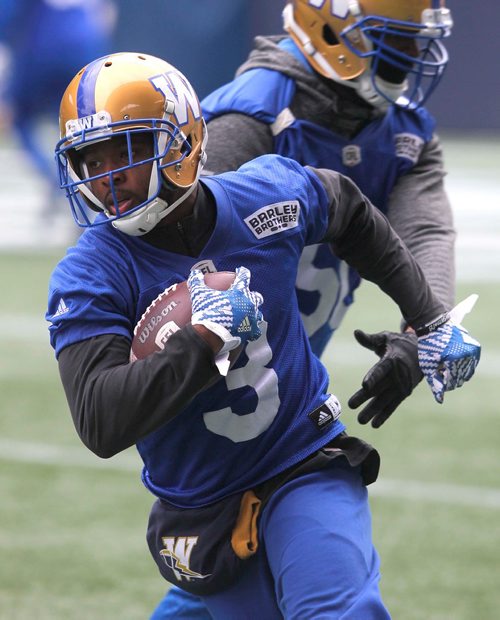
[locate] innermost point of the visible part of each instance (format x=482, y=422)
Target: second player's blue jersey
x=383, y=151
x=255, y=422
x=50, y=40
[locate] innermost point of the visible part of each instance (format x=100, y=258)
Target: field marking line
x=50, y=454
x=435, y=492
x=413, y=490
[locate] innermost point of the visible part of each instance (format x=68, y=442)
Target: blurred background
x=72, y=526
x=44, y=42
x=209, y=49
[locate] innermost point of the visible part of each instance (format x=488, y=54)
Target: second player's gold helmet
x=124, y=94
x=382, y=48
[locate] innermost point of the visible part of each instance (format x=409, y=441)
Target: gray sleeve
x=362, y=236
x=234, y=139
x=420, y=212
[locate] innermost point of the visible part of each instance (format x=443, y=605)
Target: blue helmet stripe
x=85, y=98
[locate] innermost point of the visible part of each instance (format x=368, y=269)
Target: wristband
x=433, y=325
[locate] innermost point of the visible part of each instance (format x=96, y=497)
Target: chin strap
x=377, y=92
x=145, y=219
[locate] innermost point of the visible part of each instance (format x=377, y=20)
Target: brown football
x=168, y=313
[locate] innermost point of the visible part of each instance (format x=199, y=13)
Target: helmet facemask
x=389, y=52
x=169, y=149
x=406, y=63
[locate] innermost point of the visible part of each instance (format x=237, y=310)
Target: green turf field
x=72, y=527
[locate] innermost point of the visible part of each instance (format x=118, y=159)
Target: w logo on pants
x=177, y=554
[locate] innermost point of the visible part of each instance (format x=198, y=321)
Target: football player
x=254, y=474
x=344, y=88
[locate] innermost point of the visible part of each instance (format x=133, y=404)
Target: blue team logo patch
x=275, y=218
x=351, y=155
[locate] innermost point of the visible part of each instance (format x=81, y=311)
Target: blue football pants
x=316, y=559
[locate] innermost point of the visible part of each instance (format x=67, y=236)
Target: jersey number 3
x=265, y=383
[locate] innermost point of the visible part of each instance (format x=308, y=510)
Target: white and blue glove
x=447, y=354
x=233, y=315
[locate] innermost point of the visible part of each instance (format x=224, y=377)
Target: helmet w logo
x=175, y=88
x=338, y=8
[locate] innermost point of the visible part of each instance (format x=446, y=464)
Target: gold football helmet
x=125, y=94
x=382, y=48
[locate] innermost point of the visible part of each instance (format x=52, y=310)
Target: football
x=168, y=313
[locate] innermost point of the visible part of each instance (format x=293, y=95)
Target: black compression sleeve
x=114, y=403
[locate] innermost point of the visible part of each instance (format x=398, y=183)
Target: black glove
x=392, y=378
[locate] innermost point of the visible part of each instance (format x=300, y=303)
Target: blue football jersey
x=255, y=422
x=384, y=150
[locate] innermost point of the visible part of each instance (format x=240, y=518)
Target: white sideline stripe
x=46, y=454
x=413, y=490
x=476, y=497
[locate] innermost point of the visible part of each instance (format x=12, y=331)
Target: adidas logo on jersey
x=324, y=417
x=327, y=413
x=62, y=308
x=245, y=325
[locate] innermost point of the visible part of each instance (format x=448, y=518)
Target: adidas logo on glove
x=245, y=325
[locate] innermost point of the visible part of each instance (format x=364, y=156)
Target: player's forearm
x=114, y=403
x=420, y=212
x=363, y=237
